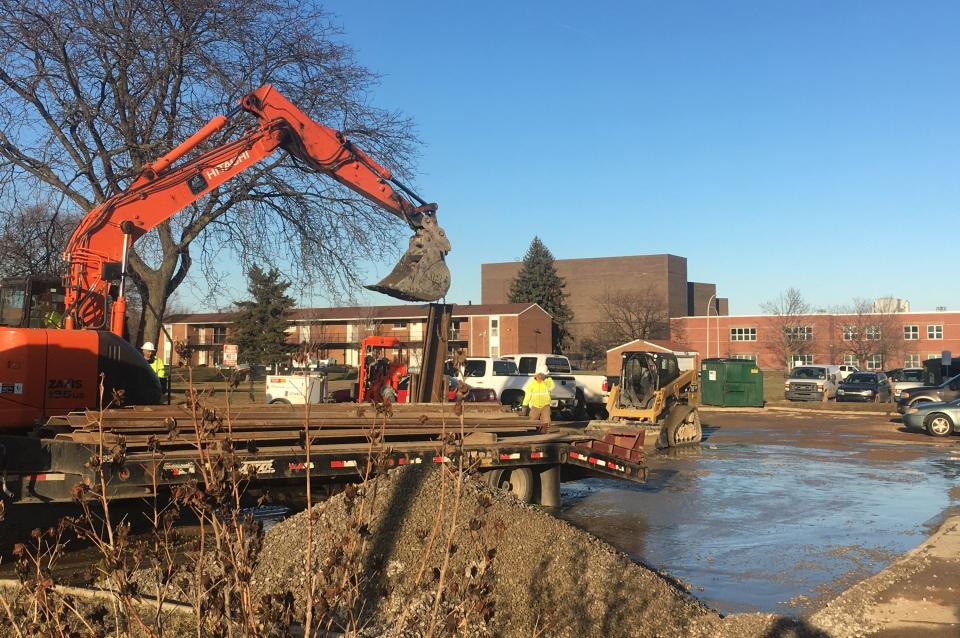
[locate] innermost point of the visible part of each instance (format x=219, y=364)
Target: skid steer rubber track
x=681, y=427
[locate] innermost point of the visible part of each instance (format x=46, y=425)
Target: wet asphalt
x=777, y=511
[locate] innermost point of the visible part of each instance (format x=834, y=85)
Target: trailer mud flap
x=619, y=455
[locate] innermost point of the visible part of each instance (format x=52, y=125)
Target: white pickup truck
x=502, y=376
x=575, y=393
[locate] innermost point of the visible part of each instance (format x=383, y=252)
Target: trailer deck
x=166, y=445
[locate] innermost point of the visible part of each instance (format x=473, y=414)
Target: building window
x=799, y=333
x=399, y=325
x=935, y=331
x=874, y=362
x=744, y=357
x=873, y=333
x=851, y=360
x=802, y=360
x=494, y=351
x=912, y=360
x=219, y=335
x=494, y=330
x=935, y=355
x=911, y=333
x=850, y=333
x=743, y=334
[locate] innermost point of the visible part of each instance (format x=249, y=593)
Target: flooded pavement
x=776, y=512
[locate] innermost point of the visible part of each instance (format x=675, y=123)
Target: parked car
x=864, y=386
x=474, y=395
x=947, y=391
x=906, y=378
x=937, y=419
x=812, y=383
x=846, y=370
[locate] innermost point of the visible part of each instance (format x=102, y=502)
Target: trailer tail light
x=50, y=476
x=606, y=385
x=341, y=464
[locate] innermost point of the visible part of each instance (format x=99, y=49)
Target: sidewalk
x=916, y=597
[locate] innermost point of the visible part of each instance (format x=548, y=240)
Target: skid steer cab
x=654, y=391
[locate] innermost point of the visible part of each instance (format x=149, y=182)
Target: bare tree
x=870, y=336
x=92, y=90
x=32, y=239
x=631, y=314
x=791, y=331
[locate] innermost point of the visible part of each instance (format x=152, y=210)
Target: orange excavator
x=47, y=371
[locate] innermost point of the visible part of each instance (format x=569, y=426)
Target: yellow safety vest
x=536, y=394
x=157, y=366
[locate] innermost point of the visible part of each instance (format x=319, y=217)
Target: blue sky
x=773, y=144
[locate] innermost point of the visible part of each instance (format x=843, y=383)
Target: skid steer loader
x=654, y=393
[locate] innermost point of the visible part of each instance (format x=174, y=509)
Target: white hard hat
x=148, y=346
x=544, y=370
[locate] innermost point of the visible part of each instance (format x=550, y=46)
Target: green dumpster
x=731, y=383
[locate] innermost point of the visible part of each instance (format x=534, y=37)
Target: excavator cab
x=31, y=302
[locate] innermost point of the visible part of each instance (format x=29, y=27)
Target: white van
x=812, y=383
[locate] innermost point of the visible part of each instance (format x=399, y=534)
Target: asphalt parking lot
x=777, y=510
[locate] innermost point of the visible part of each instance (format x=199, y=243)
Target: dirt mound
x=512, y=570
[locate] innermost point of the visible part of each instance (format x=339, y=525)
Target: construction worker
x=156, y=363
x=536, y=398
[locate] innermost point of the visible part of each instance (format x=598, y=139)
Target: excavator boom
x=97, y=251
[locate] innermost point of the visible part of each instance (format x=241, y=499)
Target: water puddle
x=769, y=527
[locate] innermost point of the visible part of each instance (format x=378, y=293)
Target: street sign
x=230, y=355
x=947, y=358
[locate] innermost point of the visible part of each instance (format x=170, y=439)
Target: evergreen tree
x=538, y=282
x=259, y=329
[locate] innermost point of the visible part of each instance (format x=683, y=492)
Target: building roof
x=408, y=311
x=663, y=344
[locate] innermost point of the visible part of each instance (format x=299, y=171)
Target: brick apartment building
x=586, y=279
x=918, y=336
x=482, y=330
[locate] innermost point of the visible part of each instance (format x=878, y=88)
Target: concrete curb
x=798, y=410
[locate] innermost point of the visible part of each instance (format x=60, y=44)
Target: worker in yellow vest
x=536, y=398
x=156, y=363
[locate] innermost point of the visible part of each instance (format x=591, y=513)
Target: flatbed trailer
x=157, y=447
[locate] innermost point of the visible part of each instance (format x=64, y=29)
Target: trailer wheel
x=681, y=427
x=517, y=481
x=279, y=402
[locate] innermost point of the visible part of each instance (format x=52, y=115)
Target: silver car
x=907, y=378
x=937, y=419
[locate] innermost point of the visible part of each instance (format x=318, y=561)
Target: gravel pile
x=513, y=570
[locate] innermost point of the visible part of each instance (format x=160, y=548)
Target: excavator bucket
x=422, y=273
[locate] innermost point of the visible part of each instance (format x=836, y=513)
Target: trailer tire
x=279, y=402
x=681, y=427
x=518, y=481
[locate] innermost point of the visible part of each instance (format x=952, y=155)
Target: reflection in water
x=756, y=526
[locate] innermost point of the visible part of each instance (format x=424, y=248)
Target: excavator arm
x=98, y=250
